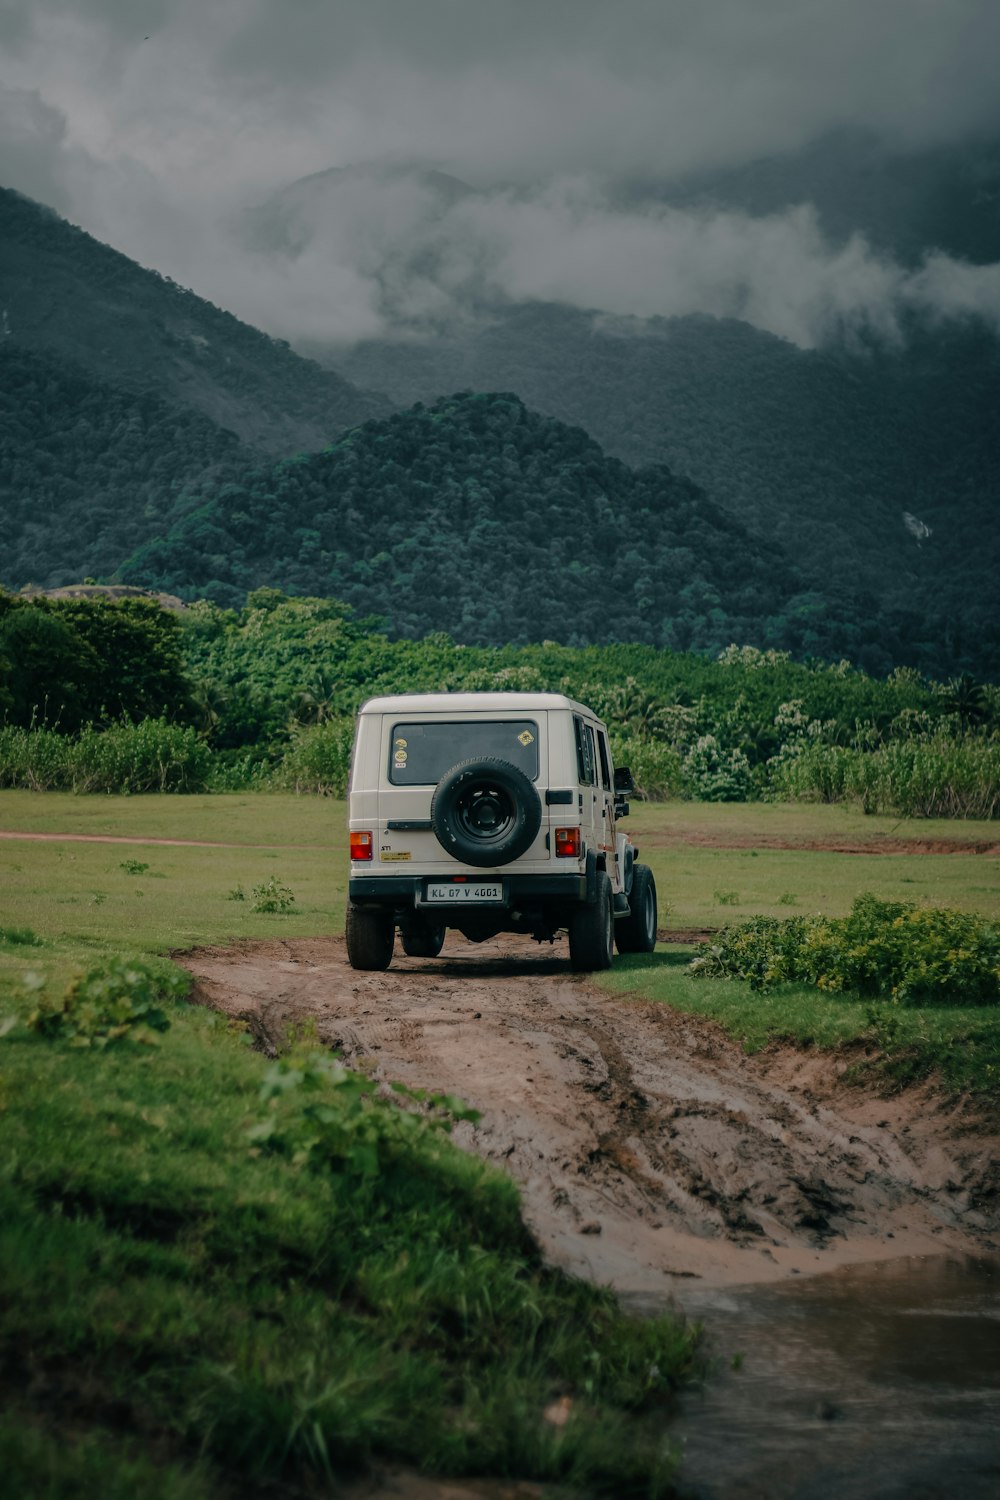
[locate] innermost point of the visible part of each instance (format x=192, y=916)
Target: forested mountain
x=64, y=294
x=482, y=518
x=829, y=452
x=88, y=471
x=838, y=502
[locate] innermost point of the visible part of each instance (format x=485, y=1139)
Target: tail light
x=362, y=845
x=567, y=843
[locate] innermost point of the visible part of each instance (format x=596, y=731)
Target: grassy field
x=189, y=1310
x=703, y=887
x=83, y=898
x=228, y=1277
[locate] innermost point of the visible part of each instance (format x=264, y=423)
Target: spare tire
x=485, y=812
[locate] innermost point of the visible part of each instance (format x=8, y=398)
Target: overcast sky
x=152, y=122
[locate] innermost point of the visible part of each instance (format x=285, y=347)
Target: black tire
x=591, y=930
x=425, y=941
x=485, y=812
x=636, y=933
x=371, y=936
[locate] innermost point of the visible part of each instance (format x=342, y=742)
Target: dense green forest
x=69, y=662
x=265, y=696
x=479, y=517
x=837, y=503
x=825, y=451
x=88, y=472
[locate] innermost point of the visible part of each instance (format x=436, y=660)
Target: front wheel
x=591, y=930
x=371, y=936
x=636, y=933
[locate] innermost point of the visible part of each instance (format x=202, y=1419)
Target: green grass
x=166, y=1280
x=183, y=1313
x=959, y=1045
x=689, y=882
x=83, y=904
x=801, y=822
x=710, y=887
x=690, y=878
x=239, y=818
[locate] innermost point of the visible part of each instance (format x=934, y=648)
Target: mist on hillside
x=354, y=172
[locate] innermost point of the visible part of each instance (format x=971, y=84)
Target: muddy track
x=650, y=1150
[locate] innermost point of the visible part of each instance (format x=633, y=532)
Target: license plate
x=464, y=892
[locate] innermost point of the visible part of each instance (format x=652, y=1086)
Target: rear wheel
x=591, y=930
x=636, y=933
x=371, y=936
x=424, y=941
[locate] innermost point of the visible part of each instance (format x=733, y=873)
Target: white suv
x=488, y=813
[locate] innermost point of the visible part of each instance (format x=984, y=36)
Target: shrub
x=932, y=778
x=114, y=1002
x=814, y=773
x=151, y=756
x=36, y=759
x=318, y=759
x=890, y=949
x=270, y=896
x=19, y=937
x=922, y=777
x=323, y=1115
x=714, y=774
x=655, y=766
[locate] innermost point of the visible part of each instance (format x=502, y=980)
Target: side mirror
x=624, y=781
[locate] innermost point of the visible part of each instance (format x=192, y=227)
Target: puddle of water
x=877, y=1382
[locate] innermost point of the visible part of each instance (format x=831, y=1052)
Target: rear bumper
x=406, y=892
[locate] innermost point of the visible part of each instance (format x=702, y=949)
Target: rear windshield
x=420, y=754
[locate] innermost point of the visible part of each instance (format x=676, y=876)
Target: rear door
x=418, y=749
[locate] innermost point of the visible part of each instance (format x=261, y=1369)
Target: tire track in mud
x=648, y=1147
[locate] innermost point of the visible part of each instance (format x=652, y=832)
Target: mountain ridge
x=65, y=293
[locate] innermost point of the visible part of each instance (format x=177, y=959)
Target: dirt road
x=652, y=1153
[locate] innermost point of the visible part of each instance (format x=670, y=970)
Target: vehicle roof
x=464, y=703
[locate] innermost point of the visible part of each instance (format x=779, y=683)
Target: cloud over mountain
x=155, y=123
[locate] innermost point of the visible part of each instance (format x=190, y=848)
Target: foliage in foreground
x=279, y=1270
x=891, y=950
x=112, y=1003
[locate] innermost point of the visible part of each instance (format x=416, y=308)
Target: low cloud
x=154, y=123
x=373, y=254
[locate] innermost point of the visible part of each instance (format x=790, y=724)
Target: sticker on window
x=526, y=737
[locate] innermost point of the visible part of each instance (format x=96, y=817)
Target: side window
x=584, y=751
x=593, y=755
x=602, y=746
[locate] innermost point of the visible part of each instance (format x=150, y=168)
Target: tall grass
x=151, y=756
x=943, y=776
x=317, y=760
x=939, y=777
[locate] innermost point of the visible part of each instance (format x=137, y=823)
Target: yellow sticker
x=526, y=737
x=400, y=757
x=394, y=858
x=400, y=743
